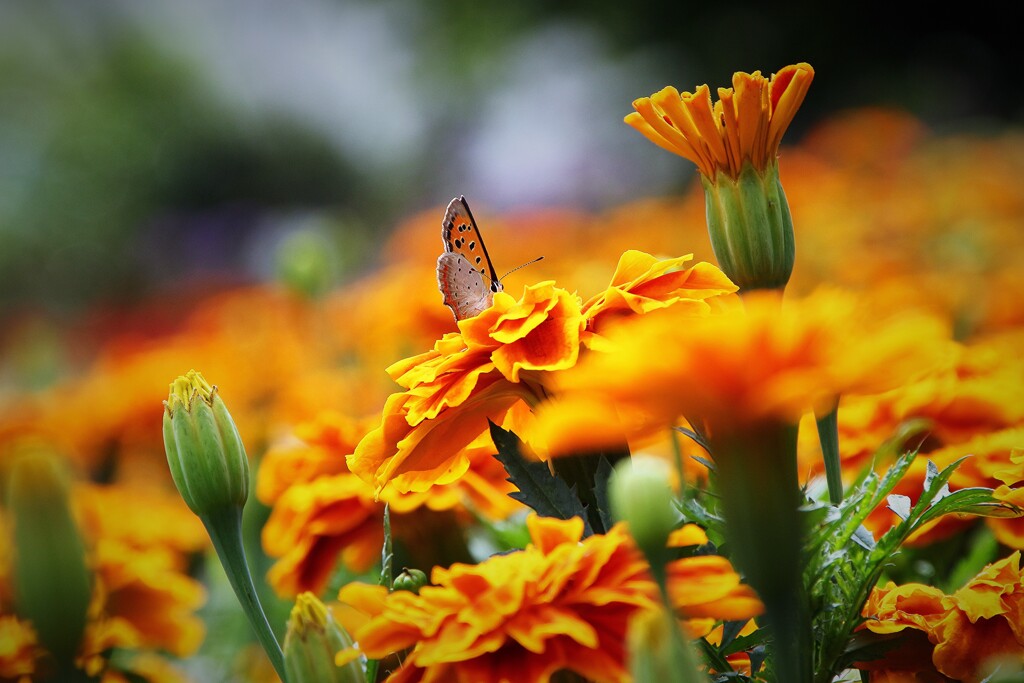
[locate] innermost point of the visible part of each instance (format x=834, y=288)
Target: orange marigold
x=746, y=124
x=558, y=604
x=323, y=513
x=561, y=603
x=959, y=633
x=501, y=364
x=764, y=361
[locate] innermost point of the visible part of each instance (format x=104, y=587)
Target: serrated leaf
x=864, y=538
x=546, y=494
x=695, y=437
x=900, y=505
x=704, y=461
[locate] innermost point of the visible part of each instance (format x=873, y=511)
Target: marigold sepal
x=52, y=582
x=751, y=227
x=311, y=643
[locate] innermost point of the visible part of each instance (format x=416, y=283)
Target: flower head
x=745, y=125
x=979, y=622
x=559, y=604
x=504, y=361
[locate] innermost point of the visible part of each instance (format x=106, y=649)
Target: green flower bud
x=750, y=227
x=306, y=262
x=51, y=581
x=204, y=450
x=658, y=652
x=640, y=495
x=411, y=580
x=311, y=643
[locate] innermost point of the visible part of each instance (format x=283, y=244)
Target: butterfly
x=465, y=274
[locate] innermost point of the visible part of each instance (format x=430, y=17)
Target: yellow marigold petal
x=547, y=533
x=534, y=628
x=745, y=125
x=688, y=534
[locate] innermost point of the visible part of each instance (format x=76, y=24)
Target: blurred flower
x=808, y=354
x=18, y=649
x=143, y=600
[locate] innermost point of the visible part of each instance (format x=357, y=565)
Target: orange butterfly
x=465, y=274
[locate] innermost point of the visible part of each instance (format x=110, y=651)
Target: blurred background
x=148, y=145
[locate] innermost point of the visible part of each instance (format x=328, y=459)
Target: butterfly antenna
x=528, y=263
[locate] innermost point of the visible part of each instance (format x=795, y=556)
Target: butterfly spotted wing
x=465, y=274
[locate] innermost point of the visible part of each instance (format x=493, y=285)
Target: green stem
x=225, y=529
x=757, y=480
x=828, y=435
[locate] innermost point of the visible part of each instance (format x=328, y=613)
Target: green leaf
x=601, y=476
x=539, y=490
x=387, y=554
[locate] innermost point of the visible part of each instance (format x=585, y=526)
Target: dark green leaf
x=601, y=476
x=539, y=490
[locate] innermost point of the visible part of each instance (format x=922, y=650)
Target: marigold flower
x=322, y=513
x=807, y=354
x=499, y=358
x=558, y=604
x=19, y=649
x=561, y=603
x=977, y=623
x=745, y=125
x=502, y=362
x=642, y=283
x=735, y=143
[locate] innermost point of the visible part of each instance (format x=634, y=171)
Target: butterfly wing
x=462, y=285
x=462, y=236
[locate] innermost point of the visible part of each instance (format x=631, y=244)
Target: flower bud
x=657, y=651
x=51, y=581
x=750, y=227
x=640, y=495
x=411, y=580
x=204, y=450
x=311, y=643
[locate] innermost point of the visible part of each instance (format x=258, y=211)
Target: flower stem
x=757, y=480
x=225, y=529
x=828, y=435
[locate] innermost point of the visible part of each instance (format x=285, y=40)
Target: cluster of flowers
x=919, y=329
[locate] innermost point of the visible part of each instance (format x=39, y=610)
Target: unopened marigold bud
x=51, y=581
x=411, y=580
x=640, y=495
x=311, y=643
x=204, y=450
x=657, y=651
